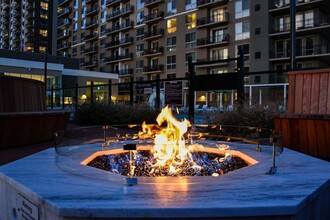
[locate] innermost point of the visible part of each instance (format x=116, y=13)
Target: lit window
x=171, y=25
x=42, y=49
x=171, y=44
x=191, y=21
x=242, y=8
x=171, y=7
x=171, y=62
x=219, y=54
x=192, y=55
x=242, y=30
x=218, y=15
x=44, y=5
x=43, y=32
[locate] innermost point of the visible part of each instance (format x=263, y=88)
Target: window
x=139, y=48
x=82, y=49
x=257, y=7
x=219, y=71
x=43, y=32
x=171, y=76
x=171, y=25
x=257, y=31
x=219, y=54
x=242, y=30
x=191, y=21
x=257, y=55
x=74, y=51
x=190, y=41
x=102, y=57
x=103, y=16
x=309, y=19
x=246, y=50
x=75, y=27
x=190, y=4
x=75, y=4
x=257, y=79
x=102, y=43
x=139, y=34
x=82, y=37
x=83, y=23
x=309, y=46
x=171, y=44
x=192, y=55
x=140, y=17
x=44, y=5
x=299, y=21
x=140, y=4
x=218, y=35
x=74, y=39
x=75, y=17
x=171, y=62
x=171, y=7
x=103, y=28
x=218, y=15
x=139, y=66
x=242, y=8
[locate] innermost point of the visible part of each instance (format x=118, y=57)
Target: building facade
x=28, y=25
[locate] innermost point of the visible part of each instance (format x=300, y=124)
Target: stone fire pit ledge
x=42, y=188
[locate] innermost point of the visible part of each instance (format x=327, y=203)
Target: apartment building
x=139, y=40
x=28, y=25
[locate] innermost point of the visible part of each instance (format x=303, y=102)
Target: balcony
x=91, y=50
x=63, y=34
x=30, y=15
x=29, y=7
x=91, y=24
x=112, y=3
x=29, y=33
x=152, y=3
x=63, y=46
x=120, y=27
x=210, y=3
x=88, y=64
x=302, y=52
x=62, y=3
x=16, y=14
x=63, y=54
x=283, y=6
x=123, y=72
x=118, y=58
x=5, y=14
x=153, y=68
x=91, y=37
x=124, y=11
x=63, y=23
x=213, y=41
x=29, y=24
x=120, y=42
x=215, y=20
x=154, y=34
x=29, y=42
x=65, y=11
x=153, y=51
x=222, y=63
x=92, y=11
x=305, y=26
x=91, y=1
x=154, y=17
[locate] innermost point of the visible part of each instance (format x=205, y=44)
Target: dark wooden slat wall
x=21, y=95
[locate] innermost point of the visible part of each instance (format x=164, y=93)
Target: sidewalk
x=78, y=133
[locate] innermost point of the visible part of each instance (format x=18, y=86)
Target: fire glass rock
x=207, y=164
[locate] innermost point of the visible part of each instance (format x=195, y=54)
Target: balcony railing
x=210, y=3
x=63, y=22
x=121, y=12
x=278, y=4
x=92, y=36
x=117, y=58
x=63, y=2
x=91, y=24
x=210, y=41
x=152, y=3
x=90, y=63
x=123, y=72
x=120, y=27
x=111, y=3
x=91, y=50
x=120, y=42
x=153, y=51
x=304, y=24
x=154, y=17
x=214, y=19
x=154, y=33
x=303, y=51
x=92, y=10
x=153, y=68
x=64, y=34
x=63, y=45
x=65, y=11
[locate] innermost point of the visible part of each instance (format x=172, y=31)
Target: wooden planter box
x=306, y=126
x=23, y=128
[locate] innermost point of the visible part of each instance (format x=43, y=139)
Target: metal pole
x=63, y=96
x=76, y=97
x=158, y=92
x=45, y=74
x=240, y=68
x=109, y=91
x=52, y=98
x=191, y=90
x=92, y=92
x=293, y=61
x=131, y=92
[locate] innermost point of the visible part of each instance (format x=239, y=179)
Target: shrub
x=103, y=113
